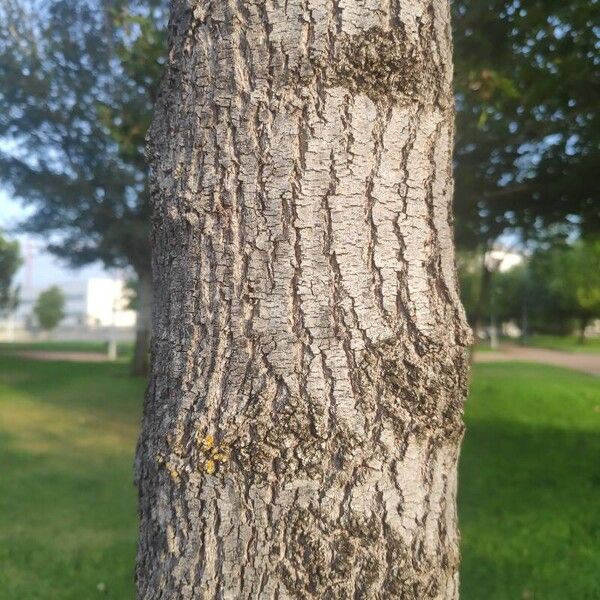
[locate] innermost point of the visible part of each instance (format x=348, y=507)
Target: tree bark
x=143, y=325
x=304, y=416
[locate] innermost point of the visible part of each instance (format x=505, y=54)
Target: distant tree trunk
x=143, y=326
x=303, y=421
x=485, y=285
x=524, y=321
x=583, y=323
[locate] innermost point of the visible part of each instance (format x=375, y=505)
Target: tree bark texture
x=304, y=416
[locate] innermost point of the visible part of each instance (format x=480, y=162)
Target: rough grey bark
x=304, y=416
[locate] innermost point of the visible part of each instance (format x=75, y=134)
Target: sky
x=41, y=269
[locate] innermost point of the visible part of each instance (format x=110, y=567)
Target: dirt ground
x=580, y=361
x=69, y=356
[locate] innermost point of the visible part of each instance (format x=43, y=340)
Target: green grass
x=67, y=503
x=530, y=485
x=124, y=349
x=567, y=343
x=528, y=498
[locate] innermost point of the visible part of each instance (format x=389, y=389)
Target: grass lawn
x=528, y=501
x=123, y=348
x=568, y=343
x=67, y=504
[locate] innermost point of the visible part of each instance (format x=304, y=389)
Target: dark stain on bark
x=383, y=64
x=422, y=391
x=333, y=555
x=347, y=557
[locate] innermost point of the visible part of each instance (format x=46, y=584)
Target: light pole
x=112, y=342
x=492, y=263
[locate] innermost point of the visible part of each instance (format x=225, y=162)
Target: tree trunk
x=303, y=421
x=143, y=325
x=485, y=286
x=583, y=323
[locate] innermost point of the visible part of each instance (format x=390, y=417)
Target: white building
x=94, y=303
x=503, y=260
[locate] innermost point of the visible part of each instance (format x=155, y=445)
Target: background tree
x=509, y=295
x=468, y=264
x=78, y=82
x=565, y=284
x=508, y=292
x=10, y=261
x=49, y=308
x=528, y=132
x=303, y=420
x=528, y=128
x=556, y=290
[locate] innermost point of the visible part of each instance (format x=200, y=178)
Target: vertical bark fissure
x=302, y=424
x=383, y=117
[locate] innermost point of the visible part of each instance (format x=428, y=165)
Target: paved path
x=588, y=362
x=69, y=356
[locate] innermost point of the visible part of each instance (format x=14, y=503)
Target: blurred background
x=78, y=79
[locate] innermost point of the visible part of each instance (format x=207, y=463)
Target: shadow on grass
x=106, y=388
x=529, y=513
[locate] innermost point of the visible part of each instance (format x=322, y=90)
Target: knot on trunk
x=422, y=386
x=356, y=557
x=385, y=64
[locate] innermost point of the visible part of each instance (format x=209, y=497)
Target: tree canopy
x=78, y=82
x=528, y=133
x=10, y=261
x=49, y=308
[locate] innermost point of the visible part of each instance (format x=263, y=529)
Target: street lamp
x=493, y=259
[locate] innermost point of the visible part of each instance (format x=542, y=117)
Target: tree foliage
x=505, y=301
x=528, y=132
x=527, y=138
x=10, y=261
x=555, y=290
x=49, y=308
x=469, y=277
x=564, y=285
x=78, y=81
